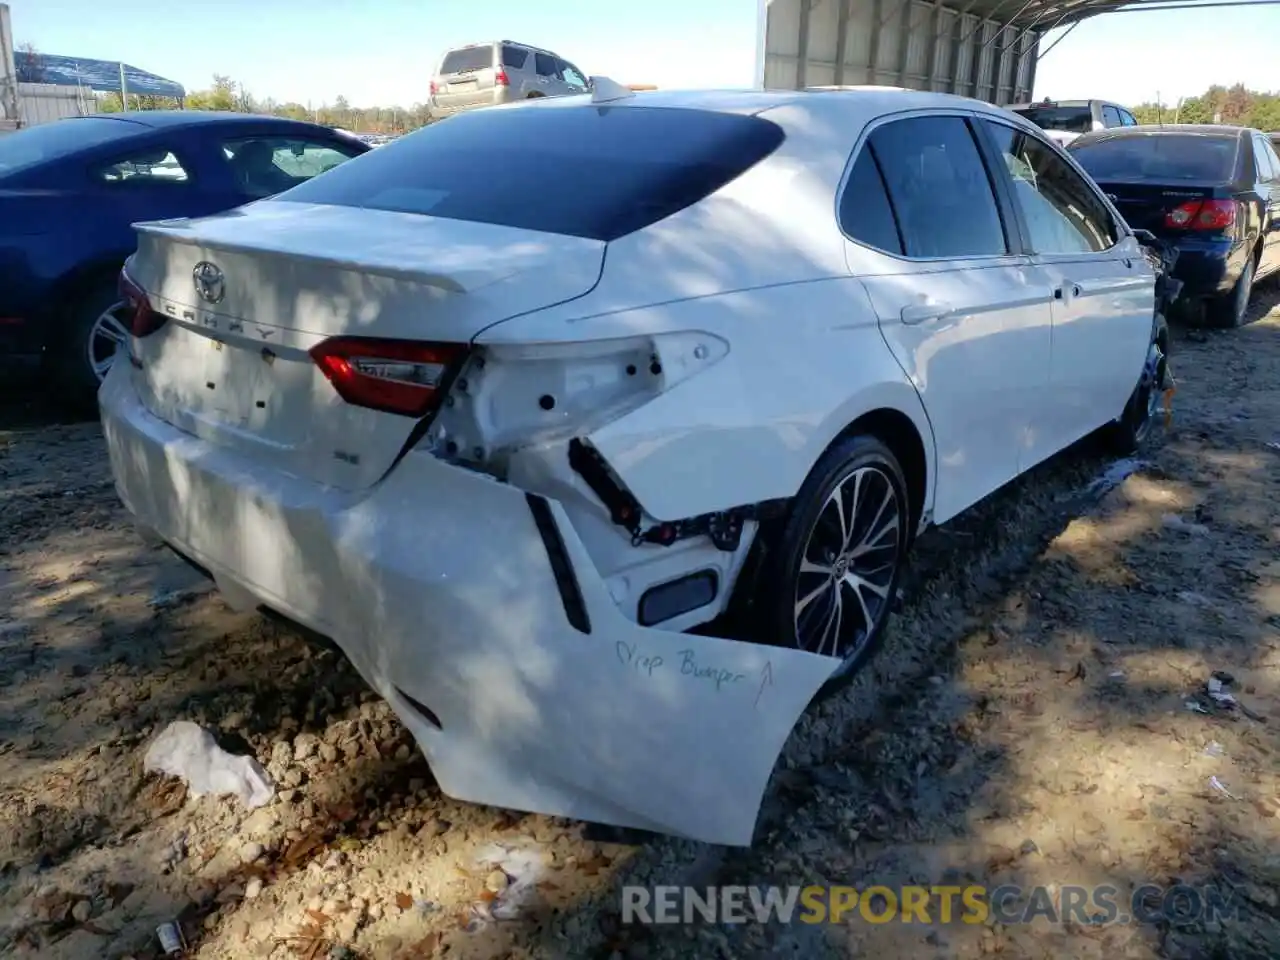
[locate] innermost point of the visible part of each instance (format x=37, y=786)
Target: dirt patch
x=1042, y=714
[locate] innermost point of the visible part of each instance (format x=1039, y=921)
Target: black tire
x=794, y=606
x=74, y=372
x=1132, y=429
x=1231, y=310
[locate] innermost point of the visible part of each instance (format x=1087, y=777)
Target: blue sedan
x=69, y=192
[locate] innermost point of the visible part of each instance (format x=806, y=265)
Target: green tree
x=227, y=94
x=223, y=95
x=1236, y=105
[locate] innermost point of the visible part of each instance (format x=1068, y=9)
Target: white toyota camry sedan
x=597, y=430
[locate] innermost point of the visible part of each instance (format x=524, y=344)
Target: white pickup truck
x=1064, y=120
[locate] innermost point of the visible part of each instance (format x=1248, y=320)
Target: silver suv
x=483, y=74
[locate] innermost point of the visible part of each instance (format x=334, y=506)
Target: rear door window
x=546, y=65
x=1111, y=117
x=1062, y=212
x=865, y=212
x=1126, y=118
x=939, y=188
x=599, y=174
x=1168, y=157
x=153, y=165
x=467, y=60
x=1262, y=160
x=1273, y=156
x=514, y=57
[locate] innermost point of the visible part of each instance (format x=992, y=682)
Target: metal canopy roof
x=99, y=75
x=1041, y=16
x=987, y=49
x=1038, y=15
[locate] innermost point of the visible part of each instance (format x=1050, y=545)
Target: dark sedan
x=1213, y=191
x=69, y=192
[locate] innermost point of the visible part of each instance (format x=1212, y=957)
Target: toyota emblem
x=209, y=281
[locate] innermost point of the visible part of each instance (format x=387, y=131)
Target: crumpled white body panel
x=459, y=610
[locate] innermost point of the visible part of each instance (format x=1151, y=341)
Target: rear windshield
x=581, y=171
x=1159, y=156
x=1070, y=119
x=468, y=58
x=60, y=138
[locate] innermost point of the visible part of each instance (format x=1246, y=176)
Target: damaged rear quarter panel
x=452, y=600
x=804, y=361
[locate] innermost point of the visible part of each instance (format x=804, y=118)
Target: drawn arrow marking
x=766, y=680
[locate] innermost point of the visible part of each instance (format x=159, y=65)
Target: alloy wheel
x=110, y=332
x=1147, y=402
x=848, y=564
x=1244, y=292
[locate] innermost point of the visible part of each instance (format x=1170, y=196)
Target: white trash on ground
x=523, y=869
x=1114, y=475
x=188, y=751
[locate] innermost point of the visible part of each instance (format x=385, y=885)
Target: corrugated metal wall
x=43, y=102
x=901, y=43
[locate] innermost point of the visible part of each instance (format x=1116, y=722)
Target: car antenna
x=604, y=90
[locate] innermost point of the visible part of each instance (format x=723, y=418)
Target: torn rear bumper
x=476, y=611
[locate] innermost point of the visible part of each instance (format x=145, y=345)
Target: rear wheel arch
x=897, y=420
x=905, y=436
x=891, y=411
x=883, y=448
x=899, y=433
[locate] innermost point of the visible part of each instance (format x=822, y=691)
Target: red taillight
x=500, y=78
x=143, y=321
x=1202, y=215
x=395, y=376
x=434, y=88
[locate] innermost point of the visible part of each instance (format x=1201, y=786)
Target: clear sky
x=382, y=51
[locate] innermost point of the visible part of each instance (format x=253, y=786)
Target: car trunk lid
x=234, y=366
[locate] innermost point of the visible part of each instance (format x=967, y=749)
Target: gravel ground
x=1039, y=715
